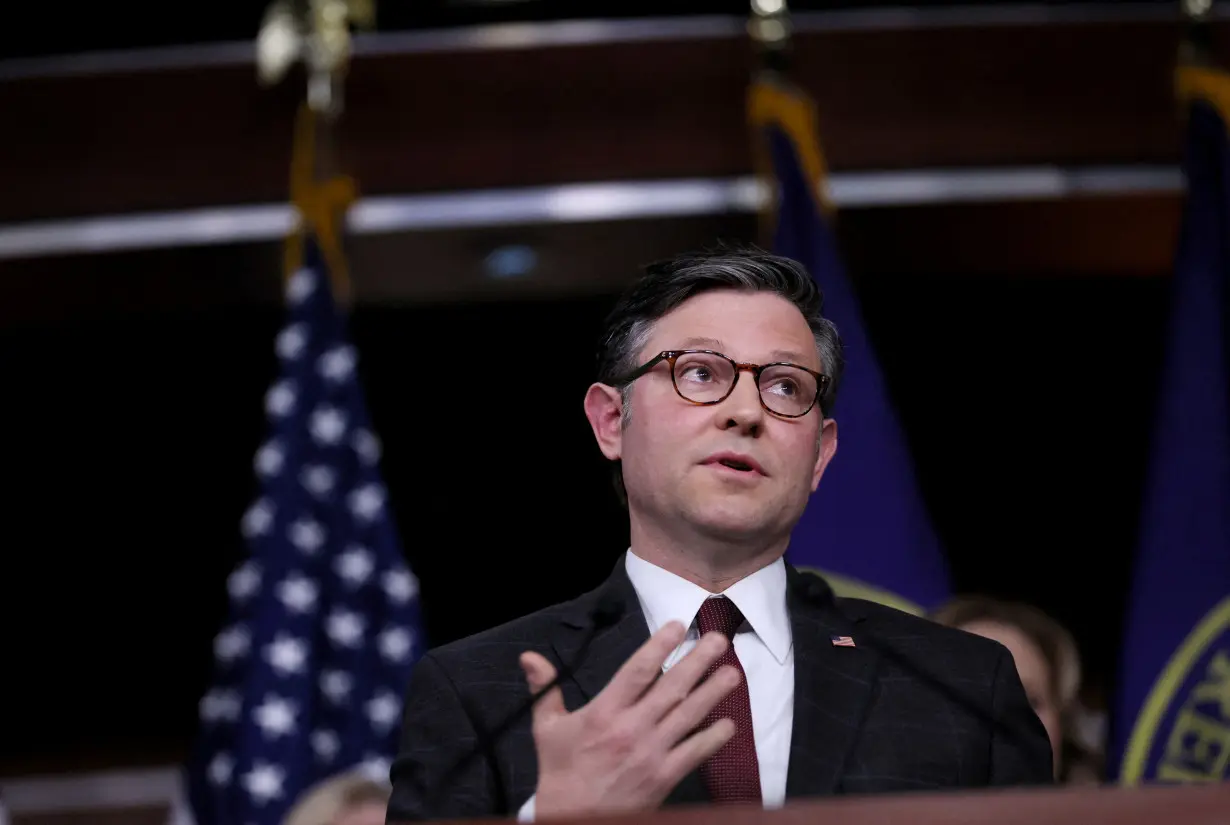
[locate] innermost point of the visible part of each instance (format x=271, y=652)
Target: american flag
x=843, y=641
x=324, y=615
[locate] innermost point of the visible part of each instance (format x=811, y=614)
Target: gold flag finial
x=769, y=26
x=318, y=33
x=1196, y=48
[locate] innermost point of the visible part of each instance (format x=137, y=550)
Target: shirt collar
x=760, y=597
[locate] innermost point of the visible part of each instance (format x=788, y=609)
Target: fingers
x=677, y=683
x=640, y=671
x=691, y=752
x=539, y=672
x=688, y=714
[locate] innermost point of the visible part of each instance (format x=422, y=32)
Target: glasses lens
x=787, y=390
x=703, y=377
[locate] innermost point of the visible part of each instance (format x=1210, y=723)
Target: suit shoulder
x=529, y=632
x=903, y=629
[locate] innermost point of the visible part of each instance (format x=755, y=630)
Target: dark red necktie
x=733, y=773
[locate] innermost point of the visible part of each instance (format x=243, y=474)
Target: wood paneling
x=1102, y=237
x=1088, y=236
x=455, y=120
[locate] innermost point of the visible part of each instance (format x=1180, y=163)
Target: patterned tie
x=733, y=773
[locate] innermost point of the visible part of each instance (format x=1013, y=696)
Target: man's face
x=669, y=447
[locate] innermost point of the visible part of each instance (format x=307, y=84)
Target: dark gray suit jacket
x=913, y=706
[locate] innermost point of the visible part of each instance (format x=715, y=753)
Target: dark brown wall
x=1090, y=93
x=1103, y=237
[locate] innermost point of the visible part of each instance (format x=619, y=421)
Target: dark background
x=130, y=451
x=1021, y=342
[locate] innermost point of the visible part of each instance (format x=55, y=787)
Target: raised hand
x=631, y=745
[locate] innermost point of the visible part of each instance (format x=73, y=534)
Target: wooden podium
x=1155, y=805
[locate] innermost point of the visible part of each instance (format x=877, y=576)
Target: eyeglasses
x=705, y=377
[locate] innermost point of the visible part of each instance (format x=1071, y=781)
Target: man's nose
x=742, y=407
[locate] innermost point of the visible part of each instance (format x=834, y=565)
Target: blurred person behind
x=351, y=798
x=1048, y=662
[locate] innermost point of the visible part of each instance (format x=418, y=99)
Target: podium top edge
x=1204, y=804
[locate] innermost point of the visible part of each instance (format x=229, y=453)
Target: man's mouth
x=735, y=464
x=736, y=461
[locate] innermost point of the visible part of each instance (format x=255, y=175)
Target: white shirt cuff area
x=526, y=814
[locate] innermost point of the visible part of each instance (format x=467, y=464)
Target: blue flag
x=324, y=618
x=866, y=529
x=1172, y=719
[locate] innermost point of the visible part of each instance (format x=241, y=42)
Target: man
x=706, y=669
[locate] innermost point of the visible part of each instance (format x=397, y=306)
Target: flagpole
x=774, y=97
x=1196, y=48
x=316, y=32
x=769, y=27
x=1198, y=74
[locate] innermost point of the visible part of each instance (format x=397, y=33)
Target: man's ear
x=604, y=409
x=828, y=446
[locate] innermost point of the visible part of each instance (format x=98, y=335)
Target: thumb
x=538, y=674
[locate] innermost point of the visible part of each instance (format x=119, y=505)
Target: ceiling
x=48, y=29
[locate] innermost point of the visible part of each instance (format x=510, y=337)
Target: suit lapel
x=833, y=685
x=832, y=688
x=608, y=650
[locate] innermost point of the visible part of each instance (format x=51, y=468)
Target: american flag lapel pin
x=843, y=641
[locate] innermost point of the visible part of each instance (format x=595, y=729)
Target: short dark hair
x=668, y=283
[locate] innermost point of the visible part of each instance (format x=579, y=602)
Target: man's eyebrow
x=787, y=355
x=793, y=356
x=707, y=343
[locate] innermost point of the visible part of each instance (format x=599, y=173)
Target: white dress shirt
x=763, y=645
